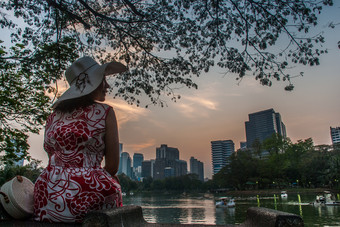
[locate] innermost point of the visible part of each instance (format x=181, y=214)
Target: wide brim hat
x=85, y=75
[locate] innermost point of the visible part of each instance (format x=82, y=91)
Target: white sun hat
x=85, y=75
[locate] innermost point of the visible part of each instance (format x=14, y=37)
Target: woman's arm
x=111, y=143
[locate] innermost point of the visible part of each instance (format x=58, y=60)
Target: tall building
x=147, y=168
x=220, y=151
x=181, y=168
x=196, y=167
x=120, y=156
x=335, y=134
x=165, y=152
x=167, y=163
x=137, y=165
x=137, y=159
x=262, y=125
x=125, y=164
x=120, y=149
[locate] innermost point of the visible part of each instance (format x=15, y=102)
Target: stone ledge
x=127, y=216
x=259, y=217
x=132, y=216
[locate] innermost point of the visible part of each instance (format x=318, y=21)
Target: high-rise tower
x=167, y=163
x=125, y=164
x=196, y=167
x=262, y=125
x=335, y=134
x=138, y=158
x=220, y=151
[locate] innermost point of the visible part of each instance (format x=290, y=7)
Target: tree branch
x=133, y=8
x=97, y=14
x=72, y=15
x=275, y=18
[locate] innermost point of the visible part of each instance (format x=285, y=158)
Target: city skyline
x=219, y=107
x=166, y=160
x=133, y=167
x=205, y=162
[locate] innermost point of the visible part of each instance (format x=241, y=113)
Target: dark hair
x=69, y=105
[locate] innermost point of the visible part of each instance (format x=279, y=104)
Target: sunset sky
x=219, y=108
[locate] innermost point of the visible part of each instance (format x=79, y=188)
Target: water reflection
x=200, y=208
x=197, y=215
x=175, y=208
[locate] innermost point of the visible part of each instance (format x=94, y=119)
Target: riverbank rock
x=127, y=216
x=259, y=217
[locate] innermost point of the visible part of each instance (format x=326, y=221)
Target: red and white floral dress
x=74, y=182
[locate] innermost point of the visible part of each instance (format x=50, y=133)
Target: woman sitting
x=78, y=134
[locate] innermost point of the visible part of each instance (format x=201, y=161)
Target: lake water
x=200, y=208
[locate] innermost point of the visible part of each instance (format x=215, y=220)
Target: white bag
x=17, y=197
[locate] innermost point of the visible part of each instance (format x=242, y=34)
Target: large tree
x=25, y=81
x=165, y=43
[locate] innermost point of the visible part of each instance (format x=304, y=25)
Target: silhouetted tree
x=25, y=81
x=300, y=162
x=126, y=183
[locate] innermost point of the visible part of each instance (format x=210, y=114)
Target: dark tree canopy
x=286, y=164
x=165, y=43
x=194, y=35
x=24, y=89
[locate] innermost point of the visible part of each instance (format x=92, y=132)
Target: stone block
x=127, y=216
x=259, y=217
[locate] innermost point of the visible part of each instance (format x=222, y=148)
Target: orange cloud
x=126, y=112
x=191, y=106
x=140, y=146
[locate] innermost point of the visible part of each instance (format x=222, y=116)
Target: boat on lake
x=284, y=194
x=327, y=198
x=225, y=202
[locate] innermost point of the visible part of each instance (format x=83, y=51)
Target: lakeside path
x=278, y=191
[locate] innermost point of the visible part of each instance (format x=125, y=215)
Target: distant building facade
x=196, y=167
x=125, y=164
x=262, y=125
x=220, y=151
x=138, y=159
x=146, y=169
x=120, y=160
x=335, y=135
x=165, y=152
x=167, y=163
x=181, y=168
x=120, y=149
x=243, y=145
x=169, y=172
